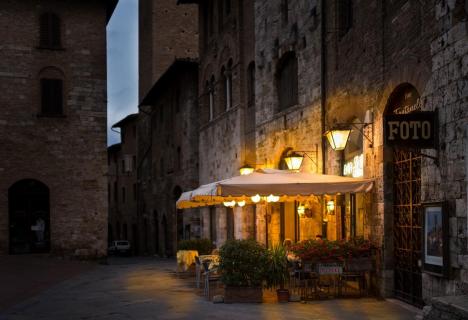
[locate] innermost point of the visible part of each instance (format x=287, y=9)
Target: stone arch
x=29, y=217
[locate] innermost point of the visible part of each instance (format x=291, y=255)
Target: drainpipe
x=323, y=78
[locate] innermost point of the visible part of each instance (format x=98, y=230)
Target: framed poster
x=435, y=246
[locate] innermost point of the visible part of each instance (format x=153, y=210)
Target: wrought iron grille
x=407, y=226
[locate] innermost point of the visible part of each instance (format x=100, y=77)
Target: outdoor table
x=185, y=258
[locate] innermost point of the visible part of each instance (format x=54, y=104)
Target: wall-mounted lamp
x=245, y=170
x=338, y=136
x=301, y=210
x=295, y=157
x=331, y=207
x=256, y=198
x=229, y=204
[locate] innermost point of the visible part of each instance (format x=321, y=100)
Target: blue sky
x=122, y=64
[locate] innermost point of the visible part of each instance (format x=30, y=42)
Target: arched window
x=51, y=87
x=226, y=78
x=251, y=84
x=211, y=97
x=287, y=83
x=49, y=30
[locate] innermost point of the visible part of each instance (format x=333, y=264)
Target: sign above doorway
x=412, y=130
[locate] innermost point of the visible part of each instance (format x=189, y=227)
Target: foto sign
x=417, y=129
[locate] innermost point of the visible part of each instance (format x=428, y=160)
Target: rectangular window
x=123, y=195
x=135, y=191
x=134, y=163
x=123, y=166
x=49, y=30
x=52, y=96
x=116, y=195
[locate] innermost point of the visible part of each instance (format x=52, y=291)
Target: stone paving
x=136, y=288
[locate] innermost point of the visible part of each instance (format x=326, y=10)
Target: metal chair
x=209, y=275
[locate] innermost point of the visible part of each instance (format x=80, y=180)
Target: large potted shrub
x=242, y=268
x=277, y=272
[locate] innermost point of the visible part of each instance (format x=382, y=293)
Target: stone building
x=168, y=158
x=322, y=65
x=226, y=100
x=122, y=185
x=393, y=58
x=167, y=31
x=53, y=127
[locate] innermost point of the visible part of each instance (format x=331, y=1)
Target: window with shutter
x=251, y=84
x=52, y=96
x=287, y=81
x=50, y=31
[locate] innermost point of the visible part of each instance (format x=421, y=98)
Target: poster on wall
x=435, y=251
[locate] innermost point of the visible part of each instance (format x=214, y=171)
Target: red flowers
x=329, y=251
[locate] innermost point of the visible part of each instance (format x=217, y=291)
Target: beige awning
x=289, y=186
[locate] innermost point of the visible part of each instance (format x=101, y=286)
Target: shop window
x=251, y=84
x=345, y=16
x=287, y=82
x=51, y=97
x=49, y=31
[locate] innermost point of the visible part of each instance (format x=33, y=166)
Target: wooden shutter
x=49, y=30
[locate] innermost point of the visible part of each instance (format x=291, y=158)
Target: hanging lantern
x=272, y=198
x=229, y=204
x=338, y=138
x=294, y=161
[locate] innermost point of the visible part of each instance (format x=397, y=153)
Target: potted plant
x=242, y=270
x=277, y=272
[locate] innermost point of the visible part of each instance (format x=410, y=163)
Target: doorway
x=29, y=217
x=407, y=216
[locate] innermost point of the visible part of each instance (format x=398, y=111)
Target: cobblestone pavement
x=140, y=289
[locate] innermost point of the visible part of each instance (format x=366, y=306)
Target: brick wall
x=68, y=153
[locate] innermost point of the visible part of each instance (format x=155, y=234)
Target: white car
x=120, y=246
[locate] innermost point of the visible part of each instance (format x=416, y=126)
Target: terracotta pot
x=243, y=295
x=283, y=295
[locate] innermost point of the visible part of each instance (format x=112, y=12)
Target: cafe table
x=185, y=258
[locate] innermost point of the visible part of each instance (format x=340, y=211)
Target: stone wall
x=167, y=31
x=68, y=154
x=450, y=308
x=169, y=158
x=222, y=146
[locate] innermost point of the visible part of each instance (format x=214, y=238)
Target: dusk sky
x=122, y=64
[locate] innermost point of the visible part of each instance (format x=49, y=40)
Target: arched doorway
x=29, y=217
x=406, y=205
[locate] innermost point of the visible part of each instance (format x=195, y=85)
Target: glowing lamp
x=272, y=198
x=294, y=161
x=300, y=210
x=245, y=170
x=229, y=204
x=241, y=203
x=338, y=138
x=331, y=207
x=256, y=198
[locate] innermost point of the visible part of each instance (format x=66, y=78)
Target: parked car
x=120, y=247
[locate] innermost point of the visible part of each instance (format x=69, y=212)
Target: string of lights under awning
x=271, y=185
